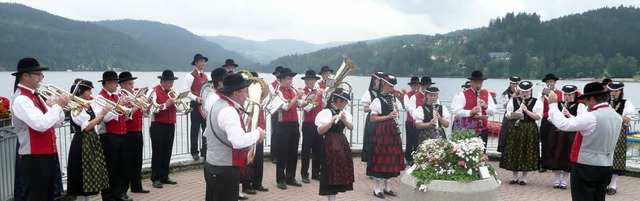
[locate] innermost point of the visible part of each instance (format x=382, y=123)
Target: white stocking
x=614, y=181
x=387, y=185
x=376, y=185
x=331, y=197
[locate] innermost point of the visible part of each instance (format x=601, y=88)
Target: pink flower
x=462, y=163
x=446, y=145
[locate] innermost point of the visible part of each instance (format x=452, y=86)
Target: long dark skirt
x=86, y=169
x=367, y=138
x=504, y=131
x=620, y=153
x=386, y=158
x=559, y=148
x=521, y=152
x=337, y=169
x=430, y=133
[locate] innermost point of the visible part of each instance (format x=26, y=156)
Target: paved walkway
x=191, y=186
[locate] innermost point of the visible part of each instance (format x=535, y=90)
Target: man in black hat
x=226, y=152
x=217, y=75
x=230, y=65
x=162, y=129
x=113, y=130
x=324, y=73
x=274, y=117
x=546, y=127
x=474, y=106
x=34, y=122
x=193, y=82
x=288, y=130
x=311, y=140
x=626, y=110
x=593, y=149
x=410, y=105
x=133, y=139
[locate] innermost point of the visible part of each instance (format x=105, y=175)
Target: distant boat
x=69, y=70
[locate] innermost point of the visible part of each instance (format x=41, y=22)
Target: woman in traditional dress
x=560, y=143
x=337, y=168
x=522, y=151
x=386, y=159
x=86, y=169
x=507, y=95
x=626, y=110
x=431, y=118
x=367, y=97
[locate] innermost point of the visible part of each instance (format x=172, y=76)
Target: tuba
x=344, y=70
x=75, y=105
x=258, y=90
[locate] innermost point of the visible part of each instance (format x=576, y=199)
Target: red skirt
x=338, y=159
x=386, y=151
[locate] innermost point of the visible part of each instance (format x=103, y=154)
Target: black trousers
x=197, y=123
x=589, y=182
x=221, y=182
x=161, y=146
x=134, y=144
x=485, y=137
x=412, y=140
x=288, y=140
x=115, y=156
x=311, y=145
x=274, y=135
x=36, y=174
x=258, y=169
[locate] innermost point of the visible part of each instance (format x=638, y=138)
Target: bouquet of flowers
x=5, y=111
x=455, y=159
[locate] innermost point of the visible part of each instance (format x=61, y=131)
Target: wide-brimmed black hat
x=593, y=89
x=390, y=79
x=233, y=82
x=218, y=74
x=28, y=65
x=377, y=74
x=109, y=75
x=126, y=75
x=339, y=92
x=229, y=62
x=525, y=86
x=414, y=80
x=323, y=69
x=568, y=89
x=477, y=75
x=433, y=90
x=277, y=70
x=198, y=57
x=550, y=76
x=615, y=86
x=310, y=74
x=254, y=74
x=606, y=81
x=466, y=85
x=426, y=80
x=82, y=84
x=514, y=79
x=167, y=75
x=286, y=72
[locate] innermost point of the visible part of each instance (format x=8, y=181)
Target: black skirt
x=86, y=169
x=337, y=169
x=386, y=158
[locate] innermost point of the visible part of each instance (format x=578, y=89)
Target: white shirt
x=376, y=106
x=24, y=109
x=153, y=110
x=208, y=103
x=460, y=101
x=418, y=114
x=629, y=109
x=229, y=121
x=537, y=108
x=366, y=98
x=188, y=80
x=325, y=117
x=584, y=122
x=411, y=104
x=108, y=117
x=82, y=120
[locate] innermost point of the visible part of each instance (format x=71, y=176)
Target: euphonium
x=257, y=91
x=136, y=101
x=117, y=108
x=344, y=70
x=75, y=105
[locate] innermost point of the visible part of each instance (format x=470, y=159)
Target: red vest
x=239, y=156
x=262, y=123
x=290, y=115
x=119, y=126
x=135, y=123
x=167, y=116
x=310, y=117
x=545, y=112
x=322, y=84
x=40, y=142
x=409, y=95
x=471, y=101
x=419, y=99
x=198, y=80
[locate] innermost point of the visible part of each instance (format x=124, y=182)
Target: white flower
x=470, y=172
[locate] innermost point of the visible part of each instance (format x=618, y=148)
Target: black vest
x=386, y=102
x=529, y=103
x=337, y=127
x=572, y=107
x=428, y=111
x=618, y=105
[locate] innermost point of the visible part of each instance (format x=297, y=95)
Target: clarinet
x=395, y=119
x=479, y=119
x=434, y=110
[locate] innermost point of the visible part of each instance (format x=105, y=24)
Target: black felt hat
x=218, y=74
x=477, y=75
x=414, y=80
x=525, y=86
x=514, y=79
x=466, y=85
x=593, y=89
x=310, y=74
x=426, y=80
x=167, y=75
x=325, y=68
x=433, y=90
x=277, y=70
x=81, y=84
x=229, y=62
x=198, y=57
x=234, y=82
x=28, y=65
x=254, y=74
x=126, y=75
x=286, y=72
x=109, y=75
x=606, y=81
x=377, y=74
x=390, y=79
x=568, y=89
x=615, y=86
x=550, y=76
x=339, y=92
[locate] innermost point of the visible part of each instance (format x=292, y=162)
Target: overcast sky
x=316, y=21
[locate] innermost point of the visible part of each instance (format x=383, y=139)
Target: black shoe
x=196, y=157
x=294, y=183
x=379, y=194
x=261, y=188
x=274, y=160
x=305, y=180
x=611, y=191
x=563, y=186
x=522, y=183
x=282, y=186
x=169, y=181
x=124, y=198
x=142, y=190
x=157, y=184
x=249, y=191
x=242, y=198
x=513, y=182
x=390, y=192
x=541, y=170
x=556, y=185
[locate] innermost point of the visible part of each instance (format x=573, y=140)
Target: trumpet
x=76, y=105
x=139, y=101
x=312, y=101
x=117, y=108
x=181, y=105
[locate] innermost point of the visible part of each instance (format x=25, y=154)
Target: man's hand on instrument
x=62, y=100
x=262, y=135
x=106, y=109
x=169, y=102
x=393, y=114
x=553, y=98
x=476, y=110
x=199, y=100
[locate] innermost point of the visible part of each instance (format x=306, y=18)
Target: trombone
x=75, y=105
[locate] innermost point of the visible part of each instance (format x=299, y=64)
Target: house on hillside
x=500, y=55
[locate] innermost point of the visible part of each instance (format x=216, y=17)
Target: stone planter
x=482, y=190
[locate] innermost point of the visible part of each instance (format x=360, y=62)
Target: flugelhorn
x=117, y=108
x=75, y=105
x=158, y=106
x=180, y=105
x=139, y=100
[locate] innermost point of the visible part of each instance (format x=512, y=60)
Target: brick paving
x=191, y=186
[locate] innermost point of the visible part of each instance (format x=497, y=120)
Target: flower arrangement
x=455, y=159
x=4, y=108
